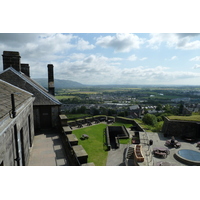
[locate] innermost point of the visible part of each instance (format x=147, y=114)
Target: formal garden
x=95, y=144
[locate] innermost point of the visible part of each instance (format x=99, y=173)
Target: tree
x=73, y=111
x=159, y=107
x=150, y=119
x=180, y=109
x=167, y=108
x=95, y=111
x=121, y=114
x=81, y=110
x=111, y=112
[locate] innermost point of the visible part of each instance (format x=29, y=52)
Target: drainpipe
x=13, y=106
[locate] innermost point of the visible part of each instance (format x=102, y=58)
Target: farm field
x=151, y=95
x=64, y=97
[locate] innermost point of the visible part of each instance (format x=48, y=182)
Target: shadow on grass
x=105, y=145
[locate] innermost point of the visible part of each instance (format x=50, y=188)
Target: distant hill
x=59, y=83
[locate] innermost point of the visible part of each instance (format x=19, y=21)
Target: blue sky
x=110, y=58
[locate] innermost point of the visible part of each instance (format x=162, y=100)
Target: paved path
x=116, y=157
x=159, y=141
x=47, y=150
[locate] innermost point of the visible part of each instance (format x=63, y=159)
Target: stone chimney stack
x=51, y=88
x=11, y=59
x=25, y=69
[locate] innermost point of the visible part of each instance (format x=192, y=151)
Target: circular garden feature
x=188, y=156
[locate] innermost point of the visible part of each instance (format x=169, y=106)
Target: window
x=21, y=140
x=29, y=127
x=17, y=158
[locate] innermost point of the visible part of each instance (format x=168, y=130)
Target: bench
x=138, y=153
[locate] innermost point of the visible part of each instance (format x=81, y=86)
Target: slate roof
x=134, y=107
x=20, y=96
x=19, y=79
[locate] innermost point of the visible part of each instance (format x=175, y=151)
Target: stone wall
x=75, y=153
x=129, y=121
x=54, y=112
x=181, y=128
x=20, y=128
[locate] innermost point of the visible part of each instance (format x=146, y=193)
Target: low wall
x=117, y=132
x=129, y=121
x=181, y=128
x=76, y=154
x=63, y=120
x=107, y=139
x=138, y=153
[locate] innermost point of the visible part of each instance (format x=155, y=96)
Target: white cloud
x=121, y=42
x=92, y=69
x=132, y=57
x=173, y=57
x=73, y=59
x=84, y=45
x=76, y=56
x=115, y=59
x=96, y=69
x=43, y=46
x=179, y=41
x=156, y=75
x=144, y=58
x=197, y=58
x=196, y=66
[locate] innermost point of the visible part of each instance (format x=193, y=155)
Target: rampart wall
x=179, y=128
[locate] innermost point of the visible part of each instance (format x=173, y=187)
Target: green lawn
x=143, y=125
x=186, y=118
x=121, y=124
x=94, y=145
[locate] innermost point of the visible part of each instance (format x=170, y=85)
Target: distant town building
x=135, y=111
x=186, y=100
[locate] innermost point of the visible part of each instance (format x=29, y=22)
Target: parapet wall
x=181, y=128
x=75, y=153
x=129, y=121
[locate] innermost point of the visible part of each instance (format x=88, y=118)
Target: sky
x=99, y=43
x=110, y=58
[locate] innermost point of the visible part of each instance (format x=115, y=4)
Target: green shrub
x=150, y=119
x=157, y=127
x=159, y=119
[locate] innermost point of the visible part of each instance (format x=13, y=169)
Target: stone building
x=134, y=111
x=45, y=106
x=16, y=125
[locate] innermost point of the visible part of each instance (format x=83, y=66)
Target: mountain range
x=59, y=83
x=62, y=84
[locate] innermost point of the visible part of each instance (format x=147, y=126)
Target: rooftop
x=22, y=81
x=6, y=90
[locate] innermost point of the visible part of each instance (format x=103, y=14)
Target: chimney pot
x=25, y=69
x=11, y=59
x=51, y=88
